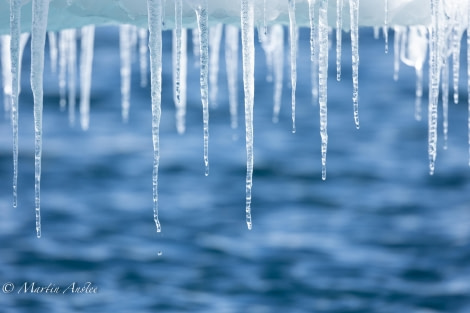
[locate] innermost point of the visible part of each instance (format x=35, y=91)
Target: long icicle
x=231, y=64
x=445, y=100
x=86, y=63
x=214, y=55
x=323, y=80
x=179, y=67
x=248, y=55
x=354, y=12
x=339, y=32
x=155, y=46
x=15, y=33
x=63, y=48
x=456, y=37
x=203, y=26
x=71, y=71
x=313, y=56
x=38, y=41
x=294, y=39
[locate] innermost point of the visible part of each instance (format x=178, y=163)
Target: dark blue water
x=379, y=235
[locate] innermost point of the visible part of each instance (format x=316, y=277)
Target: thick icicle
x=180, y=56
x=38, y=41
x=277, y=41
x=215, y=37
x=6, y=72
x=72, y=72
x=339, y=32
x=86, y=63
x=231, y=64
x=125, y=48
x=354, y=13
x=434, y=70
x=143, y=46
x=155, y=46
x=15, y=31
x=248, y=55
x=203, y=22
x=323, y=80
x=294, y=42
x=52, y=37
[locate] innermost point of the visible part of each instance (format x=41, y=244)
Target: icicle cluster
x=440, y=39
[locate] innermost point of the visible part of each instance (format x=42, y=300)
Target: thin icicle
x=155, y=46
x=385, y=27
x=215, y=37
x=323, y=80
x=231, y=64
x=313, y=43
x=294, y=42
x=179, y=68
x=396, y=51
x=125, y=48
x=15, y=33
x=419, y=93
x=248, y=55
x=52, y=37
x=143, y=41
x=38, y=41
x=433, y=84
x=339, y=32
x=376, y=30
x=6, y=72
x=72, y=72
x=63, y=47
x=196, y=46
x=456, y=36
x=86, y=63
x=277, y=40
x=203, y=22
x=354, y=13
x=445, y=100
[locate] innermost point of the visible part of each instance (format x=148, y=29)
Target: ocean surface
x=379, y=235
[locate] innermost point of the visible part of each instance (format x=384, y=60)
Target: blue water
x=379, y=235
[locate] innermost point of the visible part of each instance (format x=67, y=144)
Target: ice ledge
x=76, y=13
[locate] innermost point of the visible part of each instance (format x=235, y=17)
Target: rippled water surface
x=379, y=235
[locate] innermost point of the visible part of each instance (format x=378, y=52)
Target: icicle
x=63, y=47
x=267, y=46
x=419, y=93
x=354, y=12
x=433, y=84
x=248, y=55
x=196, y=46
x=339, y=31
x=313, y=57
x=203, y=21
x=385, y=27
x=86, y=63
x=277, y=40
x=38, y=41
x=396, y=51
x=376, y=30
x=143, y=40
x=15, y=31
x=265, y=25
x=445, y=100
x=456, y=34
x=215, y=36
x=155, y=46
x=125, y=46
x=52, y=37
x=6, y=72
x=294, y=41
x=231, y=64
x=323, y=79
x=71, y=71
x=179, y=68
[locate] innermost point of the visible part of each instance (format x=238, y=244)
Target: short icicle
x=63, y=47
x=385, y=27
x=323, y=80
x=86, y=63
x=125, y=48
x=155, y=45
x=215, y=37
x=72, y=71
x=396, y=51
x=248, y=56
x=456, y=37
x=339, y=32
x=294, y=42
x=354, y=13
x=6, y=71
x=52, y=37
x=277, y=40
x=203, y=30
x=179, y=68
x=15, y=33
x=38, y=41
x=231, y=65
x=143, y=41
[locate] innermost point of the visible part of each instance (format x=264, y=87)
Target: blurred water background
x=379, y=235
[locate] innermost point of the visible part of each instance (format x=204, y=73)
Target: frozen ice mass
x=424, y=30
